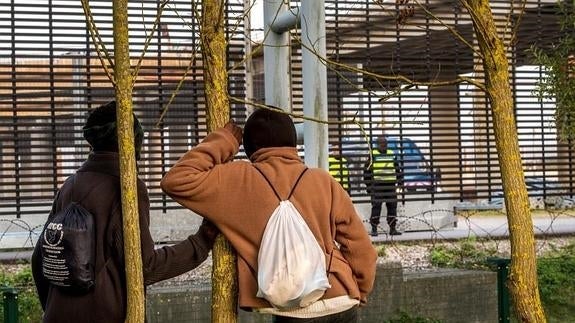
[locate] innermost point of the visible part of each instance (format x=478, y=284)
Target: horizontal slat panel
x=50, y=76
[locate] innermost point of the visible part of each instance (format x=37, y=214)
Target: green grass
x=556, y=275
x=405, y=317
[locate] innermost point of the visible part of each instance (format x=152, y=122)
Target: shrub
x=556, y=276
x=559, y=66
x=380, y=250
x=29, y=309
x=467, y=254
x=555, y=273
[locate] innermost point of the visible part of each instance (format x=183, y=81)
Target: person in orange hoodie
x=236, y=197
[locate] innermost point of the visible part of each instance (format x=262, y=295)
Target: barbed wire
x=427, y=228
x=487, y=231
x=19, y=228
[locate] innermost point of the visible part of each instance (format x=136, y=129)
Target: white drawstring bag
x=291, y=264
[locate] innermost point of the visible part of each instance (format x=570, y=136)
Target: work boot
x=394, y=232
x=373, y=232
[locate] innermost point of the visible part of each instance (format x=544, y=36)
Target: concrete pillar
x=79, y=96
x=444, y=121
x=314, y=82
x=484, y=154
x=38, y=167
x=152, y=159
x=7, y=157
x=565, y=165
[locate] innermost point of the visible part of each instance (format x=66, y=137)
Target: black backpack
x=68, y=244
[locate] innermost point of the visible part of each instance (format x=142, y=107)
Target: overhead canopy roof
x=429, y=49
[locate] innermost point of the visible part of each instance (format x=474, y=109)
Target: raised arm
x=196, y=178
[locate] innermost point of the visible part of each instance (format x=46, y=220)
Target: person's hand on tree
x=208, y=230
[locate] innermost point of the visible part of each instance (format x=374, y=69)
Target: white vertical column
x=314, y=82
x=276, y=58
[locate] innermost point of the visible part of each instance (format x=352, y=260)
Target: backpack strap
x=273, y=189
x=254, y=273
x=296, y=182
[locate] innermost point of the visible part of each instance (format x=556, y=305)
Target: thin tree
x=523, y=276
x=128, y=173
x=224, y=284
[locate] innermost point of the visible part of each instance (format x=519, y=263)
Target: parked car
x=417, y=171
x=418, y=174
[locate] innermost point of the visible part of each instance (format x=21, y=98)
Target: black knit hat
x=101, y=132
x=267, y=128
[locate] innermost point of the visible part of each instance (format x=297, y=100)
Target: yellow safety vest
x=383, y=166
x=338, y=170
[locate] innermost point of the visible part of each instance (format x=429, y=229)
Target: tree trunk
x=128, y=173
x=523, y=276
x=224, y=284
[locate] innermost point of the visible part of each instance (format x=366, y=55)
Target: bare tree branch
x=304, y=117
x=149, y=36
x=176, y=90
x=451, y=29
x=102, y=52
x=460, y=79
x=517, y=23
x=188, y=68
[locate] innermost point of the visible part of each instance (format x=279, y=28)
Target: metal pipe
x=249, y=65
x=277, y=77
x=286, y=21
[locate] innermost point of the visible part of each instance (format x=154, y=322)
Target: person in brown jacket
x=236, y=197
x=98, y=180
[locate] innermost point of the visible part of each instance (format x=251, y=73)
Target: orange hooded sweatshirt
x=239, y=201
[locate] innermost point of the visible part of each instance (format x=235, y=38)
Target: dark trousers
x=349, y=316
x=383, y=192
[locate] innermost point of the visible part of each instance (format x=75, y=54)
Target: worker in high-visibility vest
x=382, y=177
x=338, y=168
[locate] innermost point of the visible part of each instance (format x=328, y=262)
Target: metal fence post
x=503, y=303
x=10, y=299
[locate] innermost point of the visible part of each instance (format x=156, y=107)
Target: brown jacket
x=239, y=201
x=97, y=188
